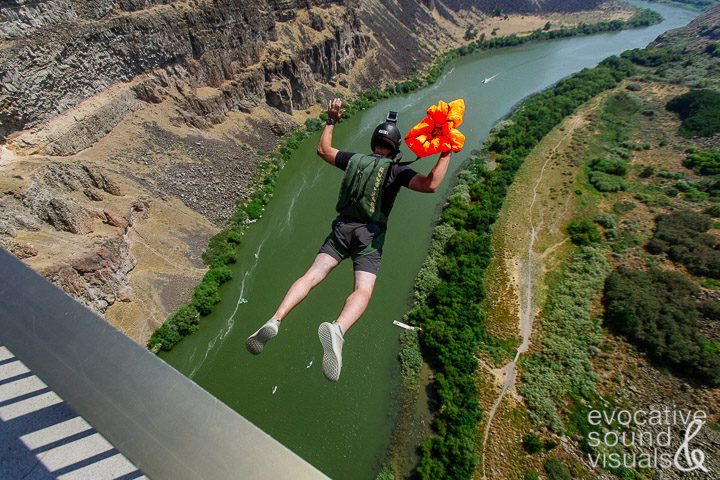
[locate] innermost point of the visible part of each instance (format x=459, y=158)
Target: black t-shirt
x=399, y=176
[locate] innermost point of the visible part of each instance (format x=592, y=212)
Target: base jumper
x=368, y=191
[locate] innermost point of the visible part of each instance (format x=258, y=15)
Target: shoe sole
x=332, y=362
x=256, y=342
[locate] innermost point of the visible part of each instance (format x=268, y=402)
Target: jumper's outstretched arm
x=431, y=182
x=325, y=149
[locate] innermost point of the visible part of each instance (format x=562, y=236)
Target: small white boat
x=274, y=389
x=243, y=300
x=309, y=364
x=489, y=79
x=404, y=325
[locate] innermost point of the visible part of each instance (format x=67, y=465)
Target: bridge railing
x=163, y=422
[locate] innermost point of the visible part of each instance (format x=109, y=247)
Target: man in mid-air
x=367, y=194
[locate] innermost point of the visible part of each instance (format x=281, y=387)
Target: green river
x=344, y=429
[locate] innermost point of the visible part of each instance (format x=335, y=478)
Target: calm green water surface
x=344, y=428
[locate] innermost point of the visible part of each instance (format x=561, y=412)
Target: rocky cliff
x=696, y=35
x=57, y=53
x=129, y=129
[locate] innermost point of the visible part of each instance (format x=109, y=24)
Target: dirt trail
x=535, y=221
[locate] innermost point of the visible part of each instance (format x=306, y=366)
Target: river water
x=344, y=429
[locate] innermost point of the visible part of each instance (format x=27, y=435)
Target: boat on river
x=489, y=79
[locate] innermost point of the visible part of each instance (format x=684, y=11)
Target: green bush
x=205, y=297
x=659, y=312
x=704, y=163
x=556, y=470
x=700, y=112
x=185, y=320
x=647, y=172
x=620, y=152
x=651, y=57
x=713, y=210
x=233, y=237
x=218, y=275
x=255, y=209
x=165, y=337
x=611, y=166
x=532, y=443
x=314, y=124
x=695, y=195
x=709, y=185
x=604, y=182
x=531, y=475
x=684, y=237
x=606, y=220
x=583, y=231
x=713, y=48
x=669, y=174
x=409, y=355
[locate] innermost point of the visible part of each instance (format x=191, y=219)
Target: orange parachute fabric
x=438, y=132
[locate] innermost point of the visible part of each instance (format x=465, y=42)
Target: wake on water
x=230, y=322
x=290, y=209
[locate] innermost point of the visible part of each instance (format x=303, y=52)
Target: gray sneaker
x=257, y=340
x=332, y=341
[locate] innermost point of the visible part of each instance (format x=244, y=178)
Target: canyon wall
x=129, y=129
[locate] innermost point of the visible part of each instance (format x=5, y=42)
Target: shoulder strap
x=399, y=156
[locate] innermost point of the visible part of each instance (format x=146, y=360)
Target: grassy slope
x=648, y=135
x=556, y=204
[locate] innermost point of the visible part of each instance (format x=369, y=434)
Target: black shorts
x=363, y=242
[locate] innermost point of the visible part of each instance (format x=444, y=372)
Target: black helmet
x=387, y=133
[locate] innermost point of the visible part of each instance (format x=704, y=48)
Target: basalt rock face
x=97, y=278
x=60, y=53
x=57, y=196
x=49, y=197
x=71, y=62
x=524, y=6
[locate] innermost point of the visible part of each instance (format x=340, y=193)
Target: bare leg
x=317, y=272
x=358, y=300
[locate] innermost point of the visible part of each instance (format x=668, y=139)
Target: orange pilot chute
x=438, y=132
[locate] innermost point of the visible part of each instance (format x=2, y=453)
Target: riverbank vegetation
x=607, y=172
x=453, y=325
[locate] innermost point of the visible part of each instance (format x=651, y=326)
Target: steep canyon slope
x=130, y=128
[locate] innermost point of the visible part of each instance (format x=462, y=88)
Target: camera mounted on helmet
x=388, y=134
